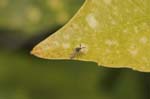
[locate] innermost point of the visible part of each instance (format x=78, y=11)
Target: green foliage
x=32, y=16
x=26, y=77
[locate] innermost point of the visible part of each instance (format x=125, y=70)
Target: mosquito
x=76, y=51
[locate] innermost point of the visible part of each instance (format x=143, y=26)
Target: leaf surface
x=112, y=33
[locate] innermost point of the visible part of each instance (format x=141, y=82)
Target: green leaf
x=112, y=33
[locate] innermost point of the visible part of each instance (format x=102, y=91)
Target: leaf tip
x=36, y=52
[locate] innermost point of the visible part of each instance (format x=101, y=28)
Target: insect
x=76, y=51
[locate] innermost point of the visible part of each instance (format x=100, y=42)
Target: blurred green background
x=23, y=24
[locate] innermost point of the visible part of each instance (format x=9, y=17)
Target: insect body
x=76, y=51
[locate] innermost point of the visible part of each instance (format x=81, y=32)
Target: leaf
x=114, y=33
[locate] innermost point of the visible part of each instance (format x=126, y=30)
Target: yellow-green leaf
x=112, y=33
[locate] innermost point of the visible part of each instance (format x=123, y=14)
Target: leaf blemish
x=133, y=50
x=143, y=40
x=107, y=2
x=66, y=45
x=91, y=20
x=111, y=42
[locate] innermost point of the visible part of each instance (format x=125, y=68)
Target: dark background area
x=23, y=24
